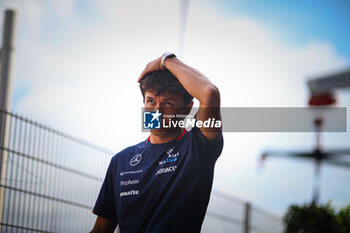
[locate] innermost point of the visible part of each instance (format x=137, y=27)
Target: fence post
x=5, y=98
x=247, y=218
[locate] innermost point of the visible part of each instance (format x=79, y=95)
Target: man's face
x=169, y=104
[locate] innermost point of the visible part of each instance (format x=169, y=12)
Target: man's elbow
x=212, y=96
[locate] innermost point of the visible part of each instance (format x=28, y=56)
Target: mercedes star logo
x=136, y=160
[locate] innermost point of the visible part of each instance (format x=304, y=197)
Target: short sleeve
x=210, y=148
x=105, y=204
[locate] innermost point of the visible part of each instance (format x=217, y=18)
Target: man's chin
x=165, y=131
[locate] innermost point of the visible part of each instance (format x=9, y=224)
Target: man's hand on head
x=197, y=85
x=157, y=64
x=152, y=66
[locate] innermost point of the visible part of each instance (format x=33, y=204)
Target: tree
x=310, y=218
x=343, y=219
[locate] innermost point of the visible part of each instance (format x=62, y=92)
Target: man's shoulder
x=129, y=150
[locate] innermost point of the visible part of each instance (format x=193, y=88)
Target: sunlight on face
x=167, y=103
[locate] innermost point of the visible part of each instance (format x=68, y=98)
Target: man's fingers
x=152, y=66
x=141, y=76
x=146, y=70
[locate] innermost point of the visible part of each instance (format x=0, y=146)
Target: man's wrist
x=166, y=56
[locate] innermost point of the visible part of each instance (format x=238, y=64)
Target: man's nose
x=157, y=106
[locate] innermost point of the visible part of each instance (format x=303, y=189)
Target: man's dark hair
x=163, y=80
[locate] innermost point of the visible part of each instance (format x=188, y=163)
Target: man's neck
x=164, y=137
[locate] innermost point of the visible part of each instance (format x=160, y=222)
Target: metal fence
x=227, y=214
x=51, y=180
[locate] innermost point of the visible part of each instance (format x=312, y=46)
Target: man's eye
x=168, y=104
x=150, y=101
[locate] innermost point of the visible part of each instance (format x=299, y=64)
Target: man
x=163, y=184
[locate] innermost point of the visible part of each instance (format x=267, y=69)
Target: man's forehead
x=164, y=95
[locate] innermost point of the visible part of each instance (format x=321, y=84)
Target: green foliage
x=343, y=219
x=317, y=219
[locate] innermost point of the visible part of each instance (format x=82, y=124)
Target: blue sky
x=77, y=62
x=298, y=22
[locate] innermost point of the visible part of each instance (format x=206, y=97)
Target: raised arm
x=196, y=85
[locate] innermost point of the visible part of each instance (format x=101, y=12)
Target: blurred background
x=74, y=101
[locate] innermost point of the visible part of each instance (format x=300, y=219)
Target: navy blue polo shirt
x=163, y=188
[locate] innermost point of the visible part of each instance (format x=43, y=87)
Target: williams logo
x=151, y=120
x=171, y=154
x=136, y=160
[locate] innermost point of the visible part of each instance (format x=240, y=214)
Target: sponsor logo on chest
x=128, y=182
x=129, y=193
x=171, y=157
x=166, y=170
x=135, y=160
x=130, y=172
